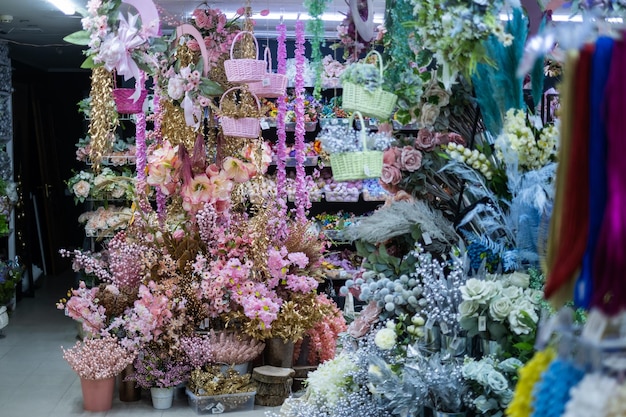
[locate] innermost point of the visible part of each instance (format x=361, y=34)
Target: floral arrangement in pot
x=158, y=368
x=98, y=358
x=10, y=276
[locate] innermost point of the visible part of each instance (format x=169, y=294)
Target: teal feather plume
x=496, y=85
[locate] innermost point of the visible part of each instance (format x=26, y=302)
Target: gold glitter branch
x=104, y=119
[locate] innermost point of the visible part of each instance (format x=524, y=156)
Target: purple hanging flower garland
x=281, y=149
x=302, y=194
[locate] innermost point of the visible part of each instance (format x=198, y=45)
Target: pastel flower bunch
x=105, y=221
x=217, y=32
x=331, y=72
x=326, y=383
x=491, y=383
x=526, y=141
x=311, y=108
x=155, y=368
x=472, y=157
x=98, y=358
x=82, y=306
x=80, y=185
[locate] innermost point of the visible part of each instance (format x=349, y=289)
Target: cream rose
x=478, y=290
x=500, y=308
x=519, y=322
x=497, y=381
x=434, y=90
x=429, y=114
x=385, y=339
x=468, y=308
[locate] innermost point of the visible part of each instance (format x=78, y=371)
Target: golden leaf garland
x=104, y=118
x=174, y=127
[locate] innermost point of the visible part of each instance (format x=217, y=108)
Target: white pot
x=162, y=397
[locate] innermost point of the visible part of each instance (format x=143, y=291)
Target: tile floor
x=35, y=380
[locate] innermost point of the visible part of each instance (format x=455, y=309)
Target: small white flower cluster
x=532, y=144
x=473, y=158
x=326, y=382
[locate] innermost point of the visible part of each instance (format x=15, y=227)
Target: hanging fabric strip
x=575, y=204
x=597, y=165
x=610, y=253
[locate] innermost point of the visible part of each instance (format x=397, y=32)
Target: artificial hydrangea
x=364, y=75
x=339, y=139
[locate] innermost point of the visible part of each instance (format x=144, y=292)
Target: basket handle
x=258, y=105
x=187, y=29
x=379, y=59
x=363, y=133
x=232, y=45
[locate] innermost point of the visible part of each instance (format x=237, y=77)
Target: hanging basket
x=272, y=85
x=378, y=103
x=125, y=104
x=349, y=166
x=244, y=70
x=243, y=127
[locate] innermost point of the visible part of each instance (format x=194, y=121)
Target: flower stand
x=162, y=398
x=97, y=393
x=273, y=385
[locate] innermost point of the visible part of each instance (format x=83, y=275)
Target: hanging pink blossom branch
x=302, y=194
x=158, y=118
x=140, y=151
x=281, y=149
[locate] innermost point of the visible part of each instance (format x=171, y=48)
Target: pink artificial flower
x=299, y=259
x=163, y=166
x=264, y=12
x=392, y=156
x=212, y=170
x=390, y=175
x=178, y=234
x=410, y=159
x=241, y=10
x=236, y=169
x=196, y=193
x=426, y=140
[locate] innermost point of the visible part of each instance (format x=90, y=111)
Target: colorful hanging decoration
x=315, y=27
x=281, y=154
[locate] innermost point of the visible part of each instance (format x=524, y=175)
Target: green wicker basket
x=349, y=166
x=379, y=104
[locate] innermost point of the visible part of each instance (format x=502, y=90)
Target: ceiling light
x=291, y=16
x=66, y=6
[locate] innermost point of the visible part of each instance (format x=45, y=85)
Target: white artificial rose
x=479, y=290
x=429, y=114
x=500, y=307
x=505, y=398
x=483, y=405
x=510, y=365
x=385, y=339
x=81, y=189
x=519, y=279
x=511, y=292
x=497, y=382
x=469, y=308
x=470, y=370
x=176, y=88
x=517, y=321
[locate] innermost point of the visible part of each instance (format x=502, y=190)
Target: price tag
x=482, y=323
x=595, y=326
x=265, y=82
x=444, y=327
x=366, y=170
x=264, y=124
x=427, y=239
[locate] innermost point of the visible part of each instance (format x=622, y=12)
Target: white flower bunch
x=80, y=185
x=524, y=139
x=473, y=158
x=491, y=383
x=504, y=303
x=338, y=139
x=326, y=383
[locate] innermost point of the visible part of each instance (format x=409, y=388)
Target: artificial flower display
x=98, y=358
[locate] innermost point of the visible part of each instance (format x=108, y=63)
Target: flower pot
x=278, y=353
x=240, y=368
x=97, y=393
x=162, y=397
x=128, y=390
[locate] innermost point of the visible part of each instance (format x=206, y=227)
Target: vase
x=128, y=390
x=240, y=368
x=97, y=393
x=162, y=397
x=490, y=347
x=278, y=353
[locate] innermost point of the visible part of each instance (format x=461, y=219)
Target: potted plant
x=97, y=362
x=160, y=372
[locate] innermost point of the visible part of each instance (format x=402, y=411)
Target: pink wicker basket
x=244, y=70
x=125, y=104
x=242, y=127
x=272, y=85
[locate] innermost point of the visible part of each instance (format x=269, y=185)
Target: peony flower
x=81, y=189
x=410, y=159
x=390, y=175
x=385, y=338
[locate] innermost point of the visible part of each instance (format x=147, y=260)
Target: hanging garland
x=315, y=27
x=281, y=193
x=103, y=115
x=302, y=194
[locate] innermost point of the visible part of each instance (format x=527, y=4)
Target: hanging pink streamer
x=281, y=149
x=302, y=194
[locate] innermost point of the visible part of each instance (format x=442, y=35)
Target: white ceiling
x=36, y=32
